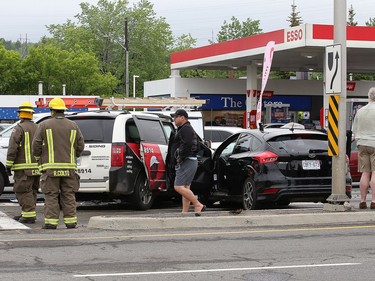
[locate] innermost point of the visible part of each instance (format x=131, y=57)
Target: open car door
x=153, y=149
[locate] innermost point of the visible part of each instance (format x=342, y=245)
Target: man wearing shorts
x=185, y=148
x=364, y=133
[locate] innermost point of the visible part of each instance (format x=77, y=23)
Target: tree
x=294, y=19
x=10, y=71
x=236, y=29
x=101, y=27
x=370, y=22
x=77, y=69
x=351, y=15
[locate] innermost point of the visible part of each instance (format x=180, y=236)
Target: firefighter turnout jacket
x=19, y=156
x=57, y=143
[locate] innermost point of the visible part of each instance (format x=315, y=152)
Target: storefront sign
x=238, y=102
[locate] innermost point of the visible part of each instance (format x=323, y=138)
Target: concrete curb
x=147, y=223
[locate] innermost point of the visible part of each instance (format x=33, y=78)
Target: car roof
x=225, y=129
x=110, y=114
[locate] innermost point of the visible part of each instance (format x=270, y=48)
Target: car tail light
x=266, y=157
x=118, y=156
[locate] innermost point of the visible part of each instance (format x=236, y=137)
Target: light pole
x=134, y=76
x=126, y=66
x=126, y=48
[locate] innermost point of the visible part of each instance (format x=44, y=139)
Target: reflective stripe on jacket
x=19, y=154
x=57, y=143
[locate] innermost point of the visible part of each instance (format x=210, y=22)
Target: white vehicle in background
x=195, y=119
x=215, y=135
x=6, y=181
x=3, y=126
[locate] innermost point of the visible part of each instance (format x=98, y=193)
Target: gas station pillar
x=251, y=95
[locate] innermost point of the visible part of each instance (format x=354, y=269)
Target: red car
x=356, y=176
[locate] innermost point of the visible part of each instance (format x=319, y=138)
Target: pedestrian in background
x=24, y=165
x=185, y=146
x=57, y=144
x=364, y=133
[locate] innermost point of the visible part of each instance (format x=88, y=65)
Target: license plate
x=310, y=164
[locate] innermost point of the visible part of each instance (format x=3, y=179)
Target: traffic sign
x=333, y=69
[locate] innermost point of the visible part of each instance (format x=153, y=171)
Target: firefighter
x=57, y=144
x=24, y=165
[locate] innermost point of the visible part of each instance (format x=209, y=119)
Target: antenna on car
x=292, y=128
x=261, y=127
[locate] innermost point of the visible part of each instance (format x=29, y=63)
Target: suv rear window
x=96, y=130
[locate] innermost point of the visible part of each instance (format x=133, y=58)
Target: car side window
x=224, y=135
x=168, y=128
x=213, y=135
x=256, y=143
x=151, y=131
x=132, y=133
x=243, y=144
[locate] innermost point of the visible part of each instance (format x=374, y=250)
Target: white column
x=40, y=88
x=251, y=91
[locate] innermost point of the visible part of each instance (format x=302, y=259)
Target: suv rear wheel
x=142, y=197
x=249, y=196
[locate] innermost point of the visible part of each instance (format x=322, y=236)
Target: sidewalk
x=213, y=219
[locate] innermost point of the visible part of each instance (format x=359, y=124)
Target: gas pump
x=277, y=112
x=353, y=105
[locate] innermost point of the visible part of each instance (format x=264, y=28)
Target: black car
x=274, y=166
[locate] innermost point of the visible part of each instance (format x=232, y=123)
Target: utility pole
x=126, y=59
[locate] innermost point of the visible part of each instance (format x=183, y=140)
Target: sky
x=201, y=18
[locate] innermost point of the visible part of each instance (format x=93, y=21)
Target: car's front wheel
x=249, y=195
x=142, y=197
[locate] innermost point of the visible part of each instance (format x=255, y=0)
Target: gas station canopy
x=300, y=48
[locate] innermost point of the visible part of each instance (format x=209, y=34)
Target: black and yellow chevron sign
x=333, y=121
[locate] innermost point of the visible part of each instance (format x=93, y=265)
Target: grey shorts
x=185, y=172
x=366, y=159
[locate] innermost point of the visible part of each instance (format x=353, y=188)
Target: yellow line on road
x=187, y=234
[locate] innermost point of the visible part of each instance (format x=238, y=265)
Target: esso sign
x=294, y=35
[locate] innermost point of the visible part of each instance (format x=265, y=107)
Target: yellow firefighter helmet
x=57, y=104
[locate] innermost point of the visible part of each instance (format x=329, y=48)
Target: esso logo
x=294, y=35
x=273, y=103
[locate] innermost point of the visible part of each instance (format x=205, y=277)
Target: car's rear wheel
x=249, y=195
x=142, y=197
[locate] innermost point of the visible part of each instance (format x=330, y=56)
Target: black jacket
x=185, y=143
